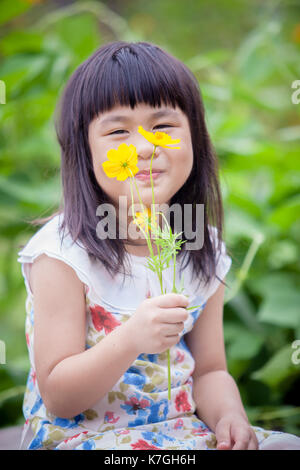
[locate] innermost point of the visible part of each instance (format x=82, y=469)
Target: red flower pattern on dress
x=178, y=424
x=125, y=431
x=135, y=404
x=33, y=376
x=103, y=319
x=181, y=401
x=142, y=445
x=179, y=356
x=76, y=435
x=200, y=430
x=109, y=417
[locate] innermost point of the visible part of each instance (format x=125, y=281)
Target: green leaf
x=46, y=194
x=266, y=283
x=283, y=252
x=21, y=41
x=281, y=308
x=16, y=73
x=279, y=368
x=11, y=9
x=285, y=215
x=208, y=59
x=245, y=345
x=11, y=393
x=241, y=224
x=80, y=33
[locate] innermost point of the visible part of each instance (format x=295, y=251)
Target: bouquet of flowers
x=122, y=164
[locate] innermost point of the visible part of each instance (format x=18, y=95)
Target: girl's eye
x=116, y=132
x=163, y=125
x=121, y=130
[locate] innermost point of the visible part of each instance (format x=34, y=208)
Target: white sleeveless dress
x=136, y=413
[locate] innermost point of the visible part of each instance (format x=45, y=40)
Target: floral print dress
x=136, y=413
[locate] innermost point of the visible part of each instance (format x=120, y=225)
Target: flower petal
x=122, y=162
x=111, y=169
x=132, y=157
x=122, y=175
x=160, y=139
x=113, y=155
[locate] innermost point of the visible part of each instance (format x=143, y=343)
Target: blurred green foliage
x=245, y=55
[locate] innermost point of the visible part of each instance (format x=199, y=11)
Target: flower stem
x=134, y=218
x=159, y=266
x=159, y=273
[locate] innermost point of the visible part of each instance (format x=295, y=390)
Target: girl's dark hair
x=127, y=73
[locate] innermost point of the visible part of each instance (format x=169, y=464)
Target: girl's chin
x=145, y=193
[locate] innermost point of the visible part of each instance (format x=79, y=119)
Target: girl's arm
x=70, y=378
x=215, y=391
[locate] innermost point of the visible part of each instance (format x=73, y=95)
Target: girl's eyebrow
x=122, y=118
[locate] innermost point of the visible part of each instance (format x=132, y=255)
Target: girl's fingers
x=241, y=444
x=172, y=329
x=235, y=436
x=172, y=300
x=222, y=433
x=241, y=439
x=253, y=444
x=224, y=445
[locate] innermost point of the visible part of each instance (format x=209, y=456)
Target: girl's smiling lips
x=145, y=174
x=147, y=171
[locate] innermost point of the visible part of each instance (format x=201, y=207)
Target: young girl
x=97, y=334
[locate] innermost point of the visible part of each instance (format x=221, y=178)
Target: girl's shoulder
x=49, y=239
x=55, y=243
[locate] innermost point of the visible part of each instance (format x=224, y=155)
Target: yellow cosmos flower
x=160, y=139
x=120, y=162
x=144, y=219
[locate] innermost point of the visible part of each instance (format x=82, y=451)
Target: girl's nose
x=145, y=149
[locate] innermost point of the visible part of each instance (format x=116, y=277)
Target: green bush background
x=245, y=55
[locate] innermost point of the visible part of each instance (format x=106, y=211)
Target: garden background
x=245, y=54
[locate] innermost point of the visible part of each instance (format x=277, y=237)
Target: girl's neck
x=140, y=249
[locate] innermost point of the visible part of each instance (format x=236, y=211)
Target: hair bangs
x=129, y=78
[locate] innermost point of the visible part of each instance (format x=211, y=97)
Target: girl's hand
x=233, y=432
x=156, y=324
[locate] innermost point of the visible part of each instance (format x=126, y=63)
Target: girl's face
x=120, y=125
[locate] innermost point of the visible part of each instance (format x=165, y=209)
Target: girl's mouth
x=146, y=177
